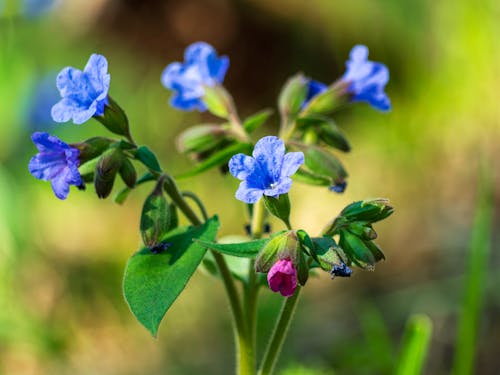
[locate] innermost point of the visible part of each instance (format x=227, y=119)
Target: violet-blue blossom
x=56, y=162
x=267, y=172
x=341, y=270
x=201, y=67
x=366, y=79
x=84, y=94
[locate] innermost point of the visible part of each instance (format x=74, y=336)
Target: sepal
x=114, y=118
x=279, y=207
x=200, y=138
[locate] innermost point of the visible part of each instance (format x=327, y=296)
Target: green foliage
x=256, y=120
x=148, y=158
x=480, y=248
x=217, y=159
x=153, y=282
x=415, y=345
x=242, y=249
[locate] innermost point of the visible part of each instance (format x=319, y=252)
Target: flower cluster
x=304, y=105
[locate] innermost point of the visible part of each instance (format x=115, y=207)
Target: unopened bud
x=106, y=169
x=200, y=138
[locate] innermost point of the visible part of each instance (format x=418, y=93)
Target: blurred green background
x=61, y=262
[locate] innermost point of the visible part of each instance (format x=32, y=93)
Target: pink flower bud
x=282, y=277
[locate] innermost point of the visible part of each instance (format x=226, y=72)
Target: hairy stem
x=274, y=347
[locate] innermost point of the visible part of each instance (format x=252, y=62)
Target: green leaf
x=148, y=158
x=219, y=158
x=484, y=229
x=258, y=119
x=152, y=282
x=326, y=129
x=242, y=249
x=416, y=340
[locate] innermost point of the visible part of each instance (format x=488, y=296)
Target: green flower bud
x=107, y=167
x=218, y=101
x=128, y=173
x=372, y=210
x=292, y=95
x=356, y=250
x=282, y=246
x=362, y=230
x=201, y=138
x=328, y=101
x=156, y=217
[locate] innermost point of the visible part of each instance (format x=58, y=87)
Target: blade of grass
x=415, y=345
x=480, y=247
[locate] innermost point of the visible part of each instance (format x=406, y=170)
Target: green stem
x=245, y=357
x=198, y=202
x=274, y=347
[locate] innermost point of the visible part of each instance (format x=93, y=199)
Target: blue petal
x=269, y=153
x=283, y=187
x=291, y=163
x=241, y=166
x=80, y=115
x=97, y=71
x=60, y=187
x=48, y=143
x=69, y=81
x=63, y=110
x=248, y=194
x=179, y=102
x=170, y=73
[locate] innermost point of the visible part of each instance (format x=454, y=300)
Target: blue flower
x=313, y=88
x=366, y=79
x=267, y=172
x=341, y=270
x=201, y=67
x=57, y=162
x=84, y=94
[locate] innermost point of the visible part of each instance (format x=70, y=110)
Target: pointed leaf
x=243, y=249
x=219, y=158
x=152, y=282
x=257, y=120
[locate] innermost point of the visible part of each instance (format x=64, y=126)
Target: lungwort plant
x=305, y=149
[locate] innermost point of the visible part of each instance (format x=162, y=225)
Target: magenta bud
x=282, y=277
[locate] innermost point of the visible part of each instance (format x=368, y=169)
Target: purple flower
x=282, y=277
x=366, y=79
x=201, y=67
x=267, y=172
x=57, y=162
x=313, y=88
x=84, y=94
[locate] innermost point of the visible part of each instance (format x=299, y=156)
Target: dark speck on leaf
x=159, y=248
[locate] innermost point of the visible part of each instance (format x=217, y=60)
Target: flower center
x=273, y=185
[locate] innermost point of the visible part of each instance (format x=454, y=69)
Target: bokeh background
x=61, y=262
